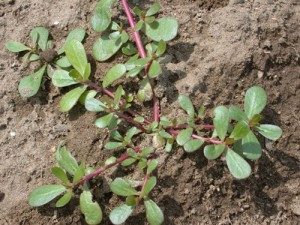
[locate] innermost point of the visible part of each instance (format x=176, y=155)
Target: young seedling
x=42, y=51
x=232, y=134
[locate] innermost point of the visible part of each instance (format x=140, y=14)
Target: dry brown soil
x=224, y=47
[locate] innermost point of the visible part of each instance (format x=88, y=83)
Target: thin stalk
x=204, y=139
x=101, y=170
x=142, y=53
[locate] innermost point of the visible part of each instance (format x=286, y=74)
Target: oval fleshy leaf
x=101, y=20
x=186, y=104
x=76, y=34
x=76, y=55
x=66, y=161
x=255, y=101
x=269, y=131
x=212, y=152
x=192, y=145
x=235, y=113
x=30, y=84
x=120, y=214
x=61, y=78
x=155, y=69
x=184, y=136
x=221, y=121
x=40, y=36
x=15, y=46
x=104, y=48
x=237, y=166
x=154, y=214
x=240, y=130
x=162, y=29
x=113, y=74
x=71, y=98
x=60, y=174
x=121, y=187
x=44, y=194
x=251, y=146
x=91, y=210
x=65, y=199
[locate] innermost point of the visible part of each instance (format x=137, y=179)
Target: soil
x=223, y=48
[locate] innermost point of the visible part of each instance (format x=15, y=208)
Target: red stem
x=204, y=139
x=101, y=170
x=142, y=53
x=136, y=35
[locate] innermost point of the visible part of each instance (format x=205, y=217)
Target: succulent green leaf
x=120, y=214
x=44, y=194
x=131, y=200
x=255, y=101
x=30, y=84
x=212, y=152
x=15, y=46
x=121, y=187
x=91, y=210
x=110, y=160
x=161, y=48
x=129, y=49
x=151, y=166
x=113, y=145
x=251, y=146
x=162, y=29
x=129, y=161
x=104, y=121
x=61, y=78
x=269, y=131
x=184, y=136
x=153, y=9
x=235, y=113
x=70, y=99
x=101, y=20
x=147, y=151
x=154, y=214
x=192, y=145
x=240, y=130
x=76, y=55
x=79, y=173
x=221, y=121
x=139, y=25
x=165, y=134
x=60, y=174
x=104, y=48
x=113, y=74
x=40, y=36
x=66, y=161
x=237, y=166
x=169, y=145
x=76, y=34
x=130, y=133
x=186, y=104
x=63, y=62
x=145, y=92
x=150, y=184
x=65, y=199
x=34, y=57
x=155, y=69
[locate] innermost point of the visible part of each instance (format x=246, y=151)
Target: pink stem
x=142, y=53
x=101, y=170
x=204, y=139
x=136, y=35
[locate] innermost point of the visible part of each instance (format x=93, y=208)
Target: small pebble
x=12, y=134
x=260, y=74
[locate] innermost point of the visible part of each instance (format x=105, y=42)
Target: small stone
x=186, y=191
x=246, y=206
x=260, y=74
x=12, y=134
x=295, y=206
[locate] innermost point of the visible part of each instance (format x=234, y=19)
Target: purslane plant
x=232, y=133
